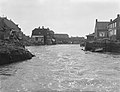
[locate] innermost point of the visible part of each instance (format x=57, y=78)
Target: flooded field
x=62, y=68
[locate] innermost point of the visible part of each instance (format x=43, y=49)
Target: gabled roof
x=36, y=32
x=61, y=35
x=93, y=34
x=115, y=20
x=41, y=31
x=102, y=25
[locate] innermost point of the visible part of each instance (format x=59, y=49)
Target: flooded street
x=62, y=68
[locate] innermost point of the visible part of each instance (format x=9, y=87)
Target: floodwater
x=62, y=68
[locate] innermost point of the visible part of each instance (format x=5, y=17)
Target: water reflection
x=7, y=71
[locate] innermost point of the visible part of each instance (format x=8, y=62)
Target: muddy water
x=62, y=68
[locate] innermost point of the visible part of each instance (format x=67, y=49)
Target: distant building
x=109, y=30
x=91, y=37
x=114, y=28
x=43, y=36
x=101, y=30
x=61, y=38
x=76, y=40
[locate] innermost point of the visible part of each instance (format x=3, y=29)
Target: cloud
x=59, y=15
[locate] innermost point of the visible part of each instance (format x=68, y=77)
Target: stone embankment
x=103, y=46
x=13, y=52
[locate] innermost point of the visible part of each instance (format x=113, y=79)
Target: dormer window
x=39, y=32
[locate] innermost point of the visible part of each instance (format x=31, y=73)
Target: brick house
x=61, y=38
x=90, y=37
x=101, y=30
x=114, y=29
x=43, y=35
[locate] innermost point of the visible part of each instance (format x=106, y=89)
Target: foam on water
x=63, y=68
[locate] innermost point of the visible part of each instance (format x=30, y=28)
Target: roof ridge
x=103, y=22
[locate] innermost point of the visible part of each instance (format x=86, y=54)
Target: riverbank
x=102, y=46
x=13, y=52
x=63, y=68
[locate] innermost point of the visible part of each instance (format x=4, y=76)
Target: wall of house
x=102, y=33
x=114, y=29
x=118, y=28
x=90, y=38
x=101, y=30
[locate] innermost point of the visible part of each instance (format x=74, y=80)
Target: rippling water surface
x=62, y=68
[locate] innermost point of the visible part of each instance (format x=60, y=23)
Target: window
x=115, y=32
x=112, y=25
x=102, y=34
x=39, y=32
x=115, y=24
x=36, y=38
x=111, y=32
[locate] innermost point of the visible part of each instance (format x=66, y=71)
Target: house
x=38, y=36
x=101, y=30
x=61, y=38
x=114, y=29
x=43, y=35
x=90, y=37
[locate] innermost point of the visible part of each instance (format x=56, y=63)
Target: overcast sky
x=74, y=17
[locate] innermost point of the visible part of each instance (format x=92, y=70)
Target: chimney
x=110, y=20
x=96, y=20
x=118, y=15
x=42, y=27
x=48, y=29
